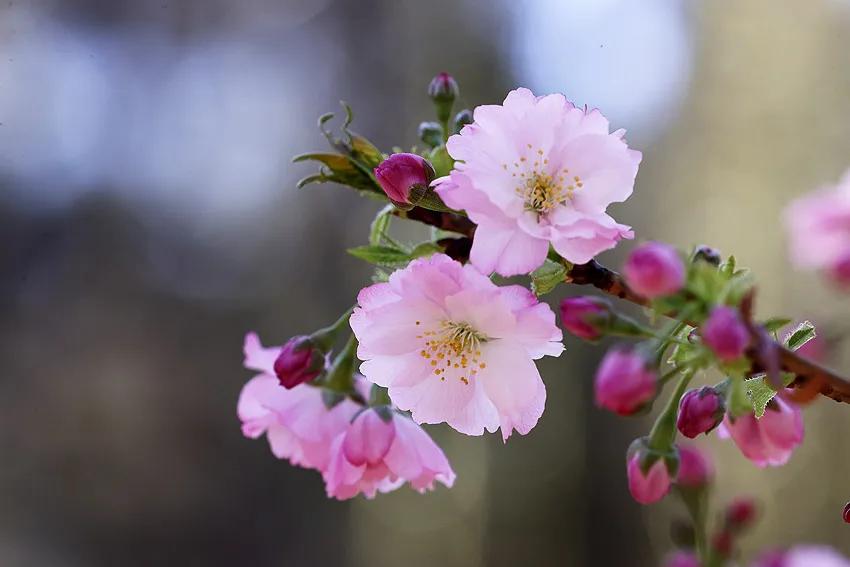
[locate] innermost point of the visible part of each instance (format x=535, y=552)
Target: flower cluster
x=523, y=189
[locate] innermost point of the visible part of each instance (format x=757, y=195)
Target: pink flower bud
x=847, y=513
x=769, y=440
x=299, y=361
x=654, y=270
x=725, y=333
x=682, y=559
x=740, y=513
x=400, y=173
x=585, y=317
x=840, y=271
x=700, y=411
x=443, y=88
x=625, y=381
x=695, y=468
x=651, y=486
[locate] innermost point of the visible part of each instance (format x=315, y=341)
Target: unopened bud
x=299, y=361
x=740, y=513
x=431, y=133
x=625, y=381
x=586, y=317
x=463, y=118
x=725, y=333
x=695, y=469
x=847, y=513
x=443, y=90
x=654, y=270
x=404, y=178
x=700, y=411
x=707, y=254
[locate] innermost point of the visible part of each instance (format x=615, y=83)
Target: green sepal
x=803, y=333
x=547, y=277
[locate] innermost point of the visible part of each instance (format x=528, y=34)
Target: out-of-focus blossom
x=803, y=556
x=682, y=559
x=453, y=347
x=818, y=226
x=648, y=487
x=624, y=382
x=700, y=411
x=770, y=440
x=399, y=174
x=586, y=317
x=740, y=513
x=299, y=361
x=535, y=171
x=298, y=424
x=379, y=454
x=654, y=269
x=725, y=334
x=695, y=468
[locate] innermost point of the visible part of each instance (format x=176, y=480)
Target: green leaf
x=380, y=225
x=737, y=399
x=364, y=151
x=381, y=255
x=425, y=249
x=545, y=278
x=775, y=323
x=804, y=332
x=727, y=268
x=441, y=160
x=315, y=178
x=760, y=392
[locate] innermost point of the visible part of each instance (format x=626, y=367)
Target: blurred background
x=148, y=219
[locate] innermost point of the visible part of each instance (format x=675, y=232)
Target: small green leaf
x=365, y=151
x=760, y=392
x=425, y=249
x=727, y=268
x=545, y=278
x=315, y=178
x=804, y=332
x=441, y=160
x=775, y=323
x=380, y=225
x=381, y=255
x=738, y=402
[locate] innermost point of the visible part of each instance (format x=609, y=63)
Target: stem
x=663, y=432
x=340, y=377
x=326, y=337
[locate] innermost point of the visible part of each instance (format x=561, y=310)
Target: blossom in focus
x=380, y=453
x=624, y=382
x=535, y=171
x=682, y=559
x=399, y=174
x=299, y=361
x=585, y=317
x=654, y=269
x=725, y=334
x=803, y=556
x=453, y=347
x=695, y=468
x=818, y=227
x=700, y=411
x=297, y=423
x=648, y=487
x=769, y=440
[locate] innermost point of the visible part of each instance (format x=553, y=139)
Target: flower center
x=541, y=189
x=453, y=350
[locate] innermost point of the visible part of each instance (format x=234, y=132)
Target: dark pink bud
x=722, y=543
x=624, y=382
x=847, y=513
x=695, y=469
x=585, y=317
x=840, y=271
x=682, y=559
x=649, y=486
x=399, y=174
x=741, y=513
x=654, y=270
x=299, y=361
x=700, y=411
x=443, y=88
x=725, y=334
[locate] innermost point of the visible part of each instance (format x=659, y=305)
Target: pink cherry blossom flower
x=818, y=226
x=769, y=440
x=377, y=455
x=535, y=171
x=298, y=424
x=453, y=347
x=803, y=556
x=651, y=486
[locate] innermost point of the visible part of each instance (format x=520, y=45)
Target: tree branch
x=812, y=378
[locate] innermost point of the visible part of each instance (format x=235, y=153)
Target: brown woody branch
x=812, y=378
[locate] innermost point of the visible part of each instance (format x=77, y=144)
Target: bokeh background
x=148, y=218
